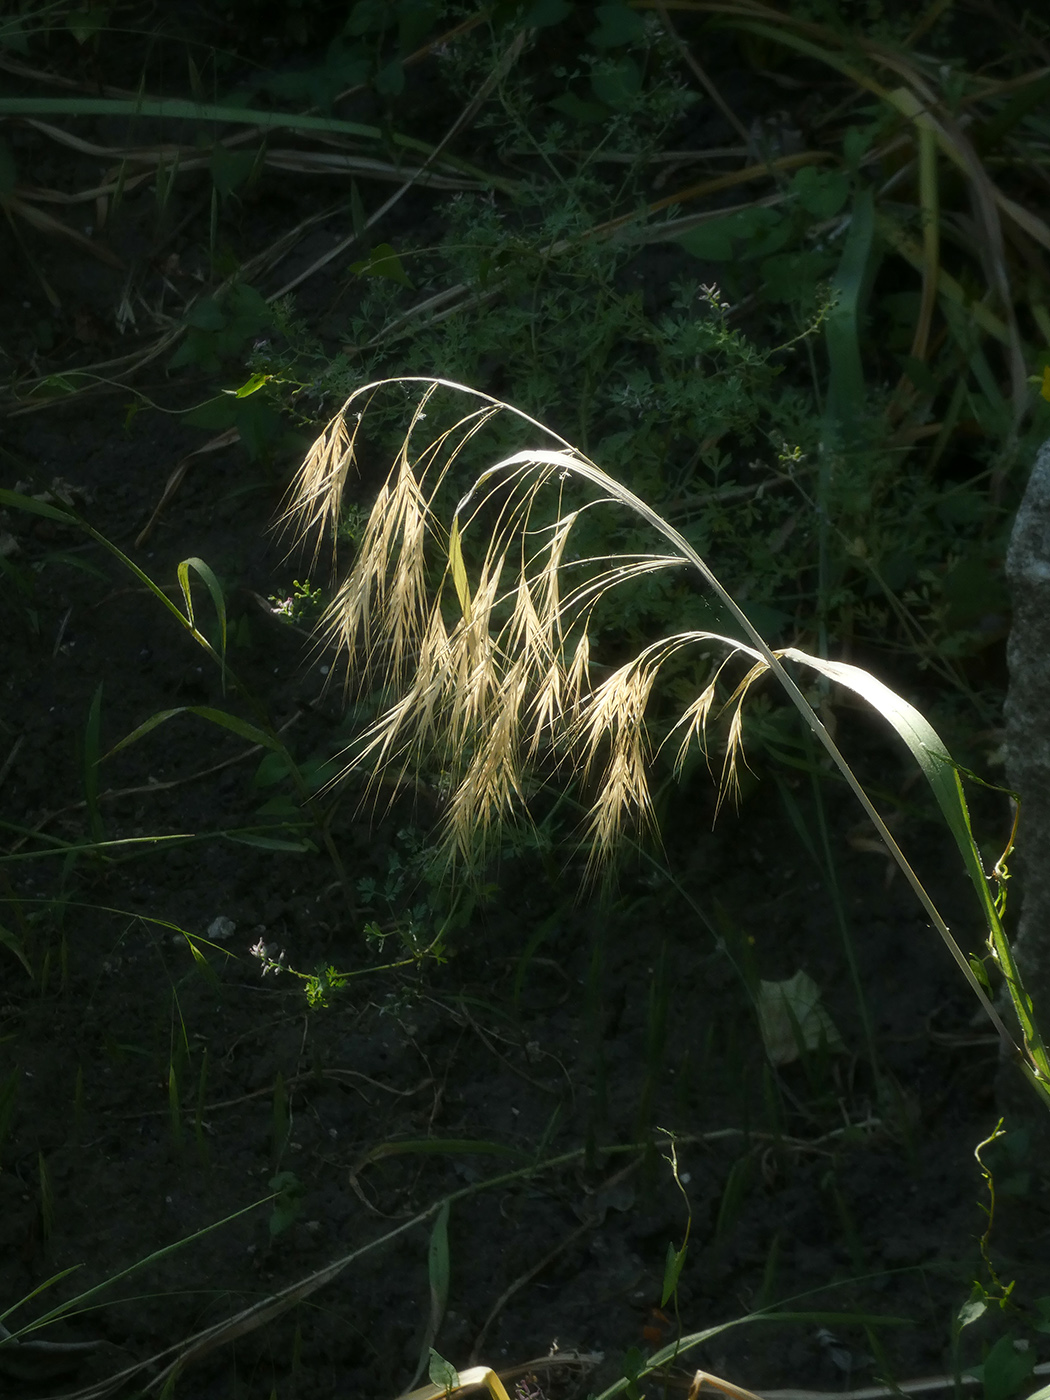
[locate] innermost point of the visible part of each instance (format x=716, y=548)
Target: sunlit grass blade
x=220, y=717
x=218, y=601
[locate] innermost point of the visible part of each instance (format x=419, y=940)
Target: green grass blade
x=76, y=1304
x=16, y=501
x=208, y=712
x=438, y=1274
x=942, y=774
x=215, y=589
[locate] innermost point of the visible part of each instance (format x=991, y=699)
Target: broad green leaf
x=390, y=80
x=85, y=24
x=251, y=386
x=273, y=768
x=747, y=233
x=672, y=1271
x=442, y=1372
x=974, y=1308
x=384, y=262
x=369, y=17
x=414, y=22
x=821, y=193
x=617, y=83
x=232, y=169
x=1005, y=1370
x=206, y=315
x=541, y=14
x=617, y=24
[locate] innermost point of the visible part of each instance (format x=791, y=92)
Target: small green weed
x=303, y=606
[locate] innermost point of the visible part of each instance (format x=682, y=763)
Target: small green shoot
x=288, y=1204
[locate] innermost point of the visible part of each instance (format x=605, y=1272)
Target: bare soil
x=154, y=1097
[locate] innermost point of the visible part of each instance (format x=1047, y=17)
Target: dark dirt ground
x=537, y=1035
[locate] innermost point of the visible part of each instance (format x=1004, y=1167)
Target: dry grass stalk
x=488, y=683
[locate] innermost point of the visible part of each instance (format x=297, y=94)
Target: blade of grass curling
x=16, y=501
x=942, y=774
x=214, y=588
x=438, y=1274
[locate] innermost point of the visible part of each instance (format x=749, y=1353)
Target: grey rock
x=1028, y=730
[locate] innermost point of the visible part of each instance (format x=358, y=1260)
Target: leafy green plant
x=303, y=606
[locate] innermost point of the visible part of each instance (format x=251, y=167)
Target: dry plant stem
x=589, y=472
x=420, y=653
